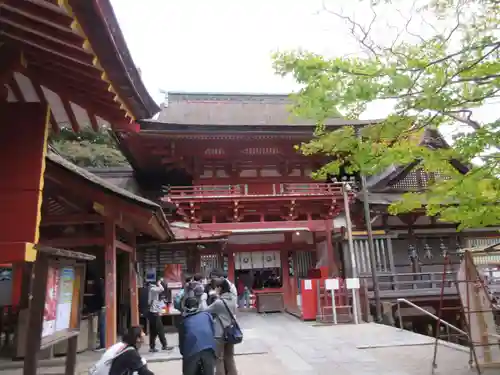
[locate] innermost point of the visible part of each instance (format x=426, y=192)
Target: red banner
x=173, y=273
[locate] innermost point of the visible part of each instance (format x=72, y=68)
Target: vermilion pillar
x=284, y=268
x=332, y=266
x=110, y=281
x=23, y=145
x=230, y=265
x=134, y=298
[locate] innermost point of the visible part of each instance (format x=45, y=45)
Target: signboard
x=150, y=274
x=352, y=283
x=64, y=303
x=51, y=297
x=332, y=284
x=62, y=300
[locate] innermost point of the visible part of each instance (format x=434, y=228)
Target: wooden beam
x=27, y=35
x=43, y=9
x=68, y=242
x=34, y=46
x=109, y=111
x=71, y=115
x=36, y=22
x=16, y=90
x=11, y=60
x=73, y=219
x=123, y=246
x=43, y=100
x=93, y=121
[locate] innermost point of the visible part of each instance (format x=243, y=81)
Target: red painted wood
x=311, y=225
x=230, y=271
x=248, y=248
x=110, y=282
x=332, y=266
x=134, y=297
x=22, y=143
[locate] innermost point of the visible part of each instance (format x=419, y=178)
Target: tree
x=88, y=148
x=434, y=80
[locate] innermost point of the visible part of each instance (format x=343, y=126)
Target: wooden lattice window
x=417, y=179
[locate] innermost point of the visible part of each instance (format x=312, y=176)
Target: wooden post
x=332, y=267
x=134, y=298
x=285, y=278
x=71, y=356
x=110, y=281
x=35, y=318
x=230, y=265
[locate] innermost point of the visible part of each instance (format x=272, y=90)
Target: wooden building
x=228, y=163
x=66, y=62
x=410, y=248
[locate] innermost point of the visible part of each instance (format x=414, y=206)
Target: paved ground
x=279, y=344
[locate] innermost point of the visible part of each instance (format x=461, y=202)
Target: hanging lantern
x=412, y=252
x=428, y=251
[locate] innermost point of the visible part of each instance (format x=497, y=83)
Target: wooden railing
x=311, y=189
x=205, y=190
x=412, y=284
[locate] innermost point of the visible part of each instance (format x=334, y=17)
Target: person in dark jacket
x=196, y=340
x=130, y=361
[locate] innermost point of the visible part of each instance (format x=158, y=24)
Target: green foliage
x=88, y=148
x=433, y=81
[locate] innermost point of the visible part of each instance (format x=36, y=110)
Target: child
x=196, y=340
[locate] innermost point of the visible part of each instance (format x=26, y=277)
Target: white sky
x=225, y=45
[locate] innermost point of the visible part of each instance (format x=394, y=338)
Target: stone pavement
x=279, y=344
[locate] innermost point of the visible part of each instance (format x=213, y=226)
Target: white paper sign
x=308, y=285
x=332, y=284
x=352, y=283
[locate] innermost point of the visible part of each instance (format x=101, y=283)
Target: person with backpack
x=227, y=330
x=196, y=339
x=123, y=357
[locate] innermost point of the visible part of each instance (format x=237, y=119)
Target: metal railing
x=429, y=314
x=284, y=189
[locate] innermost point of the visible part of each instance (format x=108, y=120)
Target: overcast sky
x=225, y=45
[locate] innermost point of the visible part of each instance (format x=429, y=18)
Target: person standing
x=196, y=339
x=156, y=328
x=224, y=309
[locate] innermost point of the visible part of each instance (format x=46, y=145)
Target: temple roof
x=112, y=189
x=235, y=109
x=100, y=25
x=389, y=178
x=72, y=55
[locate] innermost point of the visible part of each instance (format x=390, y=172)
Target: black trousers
x=156, y=329
x=202, y=363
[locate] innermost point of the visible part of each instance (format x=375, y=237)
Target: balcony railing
x=241, y=190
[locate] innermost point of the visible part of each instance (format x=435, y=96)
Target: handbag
x=232, y=333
